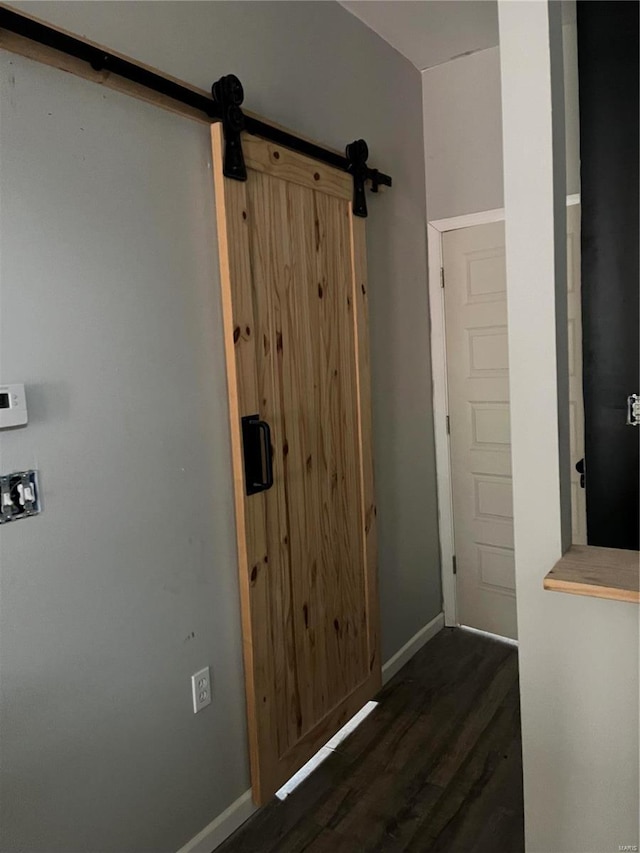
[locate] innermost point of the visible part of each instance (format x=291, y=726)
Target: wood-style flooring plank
x=436, y=767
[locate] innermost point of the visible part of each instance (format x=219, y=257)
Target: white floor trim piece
x=489, y=634
x=221, y=827
x=404, y=655
x=351, y=725
x=306, y=769
x=325, y=751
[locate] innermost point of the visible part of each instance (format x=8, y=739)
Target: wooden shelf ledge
x=597, y=572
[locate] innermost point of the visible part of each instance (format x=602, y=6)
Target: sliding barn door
x=295, y=312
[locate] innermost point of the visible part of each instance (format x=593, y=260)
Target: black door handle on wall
x=256, y=447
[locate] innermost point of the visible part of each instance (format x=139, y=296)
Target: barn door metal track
x=224, y=106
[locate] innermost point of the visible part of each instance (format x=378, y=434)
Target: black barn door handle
x=265, y=429
x=256, y=445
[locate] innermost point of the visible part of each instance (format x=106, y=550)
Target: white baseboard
x=395, y=663
x=222, y=827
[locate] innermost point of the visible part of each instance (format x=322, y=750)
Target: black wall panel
x=609, y=117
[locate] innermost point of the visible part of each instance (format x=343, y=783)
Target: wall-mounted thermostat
x=13, y=406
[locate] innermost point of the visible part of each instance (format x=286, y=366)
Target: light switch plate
x=201, y=689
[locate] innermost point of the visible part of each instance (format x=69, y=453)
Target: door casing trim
x=435, y=230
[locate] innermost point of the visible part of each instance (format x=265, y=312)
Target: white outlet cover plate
x=201, y=689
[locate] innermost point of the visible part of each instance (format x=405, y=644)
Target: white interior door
x=480, y=445
x=478, y=384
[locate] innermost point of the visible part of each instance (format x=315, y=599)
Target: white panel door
x=478, y=384
x=478, y=388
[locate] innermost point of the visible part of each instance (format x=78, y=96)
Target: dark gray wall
x=608, y=64
x=126, y=584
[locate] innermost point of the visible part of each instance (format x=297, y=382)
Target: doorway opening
x=468, y=302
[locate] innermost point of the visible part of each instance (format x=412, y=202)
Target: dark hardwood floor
x=436, y=767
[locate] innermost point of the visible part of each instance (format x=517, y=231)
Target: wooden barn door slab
x=293, y=274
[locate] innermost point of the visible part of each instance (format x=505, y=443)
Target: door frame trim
x=436, y=228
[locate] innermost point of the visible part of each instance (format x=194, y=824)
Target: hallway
x=436, y=767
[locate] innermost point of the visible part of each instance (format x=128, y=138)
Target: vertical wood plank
x=281, y=641
x=295, y=365
x=368, y=504
x=344, y=631
x=240, y=351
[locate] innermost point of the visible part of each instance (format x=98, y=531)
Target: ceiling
x=430, y=32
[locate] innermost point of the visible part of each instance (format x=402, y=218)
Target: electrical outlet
x=201, y=689
x=19, y=496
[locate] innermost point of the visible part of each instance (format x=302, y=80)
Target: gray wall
x=126, y=584
x=463, y=135
x=463, y=131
